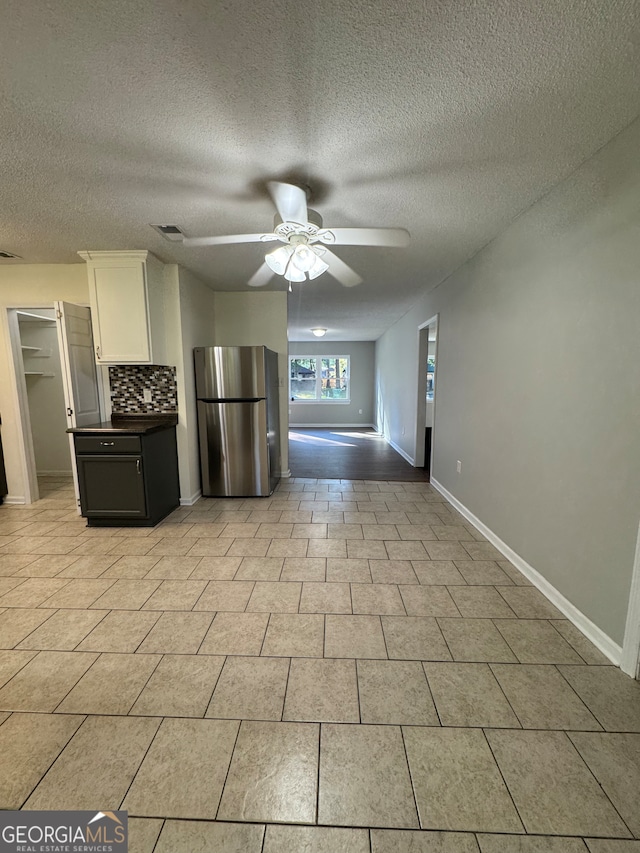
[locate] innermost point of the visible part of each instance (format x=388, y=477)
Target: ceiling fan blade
x=370, y=236
x=228, y=238
x=261, y=276
x=341, y=271
x=290, y=202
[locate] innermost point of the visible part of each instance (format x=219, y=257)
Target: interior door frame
x=21, y=399
x=630, y=658
x=21, y=404
x=421, y=400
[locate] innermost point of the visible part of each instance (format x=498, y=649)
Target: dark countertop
x=130, y=424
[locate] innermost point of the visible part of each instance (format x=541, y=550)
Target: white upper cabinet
x=127, y=307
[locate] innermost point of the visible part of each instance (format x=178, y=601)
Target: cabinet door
x=111, y=486
x=118, y=296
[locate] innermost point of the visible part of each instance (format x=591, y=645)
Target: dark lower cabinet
x=127, y=480
x=112, y=486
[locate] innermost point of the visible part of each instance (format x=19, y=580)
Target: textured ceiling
x=446, y=118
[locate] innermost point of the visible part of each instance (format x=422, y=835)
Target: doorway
x=426, y=401
x=55, y=381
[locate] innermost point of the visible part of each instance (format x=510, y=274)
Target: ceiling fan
x=304, y=253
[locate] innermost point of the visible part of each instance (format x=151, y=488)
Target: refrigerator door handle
x=230, y=399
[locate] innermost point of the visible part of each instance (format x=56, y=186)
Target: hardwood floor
x=348, y=454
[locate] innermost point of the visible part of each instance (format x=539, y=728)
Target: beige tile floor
x=345, y=667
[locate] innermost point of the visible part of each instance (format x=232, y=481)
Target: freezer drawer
x=234, y=452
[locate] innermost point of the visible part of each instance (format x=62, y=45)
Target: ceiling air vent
x=9, y=256
x=169, y=232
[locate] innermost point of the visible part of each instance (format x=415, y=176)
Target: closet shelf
x=36, y=352
x=39, y=373
x=33, y=318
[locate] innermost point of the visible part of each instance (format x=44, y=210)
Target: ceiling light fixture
x=319, y=333
x=297, y=259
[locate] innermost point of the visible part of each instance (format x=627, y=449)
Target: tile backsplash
x=128, y=383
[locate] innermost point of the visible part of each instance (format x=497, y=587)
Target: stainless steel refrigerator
x=238, y=420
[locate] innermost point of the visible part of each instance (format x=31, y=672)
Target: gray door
x=234, y=454
x=79, y=378
x=78, y=364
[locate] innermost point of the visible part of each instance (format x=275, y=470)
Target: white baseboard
x=284, y=475
x=332, y=426
x=400, y=451
x=190, y=501
x=597, y=636
x=15, y=500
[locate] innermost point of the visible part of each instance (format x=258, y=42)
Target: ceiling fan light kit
x=278, y=260
x=297, y=259
x=300, y=230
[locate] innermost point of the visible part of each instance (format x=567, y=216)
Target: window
x=319, y=379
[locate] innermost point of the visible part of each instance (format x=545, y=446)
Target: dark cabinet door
x=111, y=486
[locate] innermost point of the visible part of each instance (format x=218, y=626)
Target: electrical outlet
x=459, y=466
x=146, y=395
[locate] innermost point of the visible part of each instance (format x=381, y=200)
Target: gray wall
x=538, y=383
x=362, y=354
x=189, y=318
x=196, y=326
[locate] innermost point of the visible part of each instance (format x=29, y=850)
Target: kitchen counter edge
x=129, y=425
